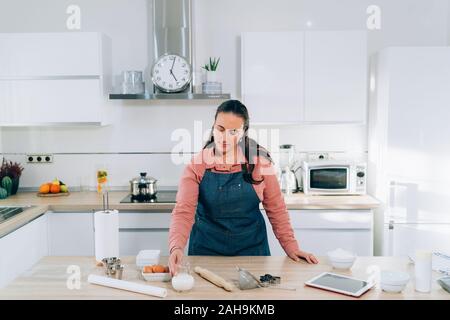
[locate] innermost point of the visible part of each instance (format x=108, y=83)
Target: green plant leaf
x=216, y=64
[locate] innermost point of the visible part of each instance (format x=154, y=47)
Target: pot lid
x=143, y=179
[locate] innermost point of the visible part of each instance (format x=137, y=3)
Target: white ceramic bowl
x=342, y=264
x=394, y=281
x=341, y=259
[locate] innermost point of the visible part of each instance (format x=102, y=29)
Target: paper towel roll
x=127, y=285
x=106, y=224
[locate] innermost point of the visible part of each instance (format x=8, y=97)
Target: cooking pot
x=143, y=187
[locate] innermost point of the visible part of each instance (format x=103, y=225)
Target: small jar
x=183, y=280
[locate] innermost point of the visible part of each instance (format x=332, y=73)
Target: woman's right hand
x=174, y=260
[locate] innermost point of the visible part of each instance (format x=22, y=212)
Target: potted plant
x=14, y=171
x=211, y=68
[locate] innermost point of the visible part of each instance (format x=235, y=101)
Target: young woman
x=219, y=194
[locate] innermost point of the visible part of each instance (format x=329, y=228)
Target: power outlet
x=39, y=158
x=314, y=156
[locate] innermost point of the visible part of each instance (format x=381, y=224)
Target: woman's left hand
x=309, y=257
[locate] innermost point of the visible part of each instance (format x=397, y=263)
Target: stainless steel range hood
x=172, y=33
x=172, y=28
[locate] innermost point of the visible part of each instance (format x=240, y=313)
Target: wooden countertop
x=47, y=279
x=90, y=200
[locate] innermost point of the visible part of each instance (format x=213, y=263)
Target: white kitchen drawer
x=320, y=242
x=71, y=233
x=144, y=220
x=131, y=241
x=331, y=219
x=320, y=231
x=51, y=54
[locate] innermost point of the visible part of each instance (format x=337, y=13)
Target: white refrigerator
x=409, y=149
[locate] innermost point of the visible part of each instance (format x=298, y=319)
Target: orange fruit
x=55, y=188
x=158, y=269
x=44, y=188
x=148, y=269
x=166, y=269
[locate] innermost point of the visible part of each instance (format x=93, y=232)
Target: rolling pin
x=214, y=278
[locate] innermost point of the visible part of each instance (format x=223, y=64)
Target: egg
x=147, y=269
x=158, y=269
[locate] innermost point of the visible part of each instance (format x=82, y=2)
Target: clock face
x=171, y=73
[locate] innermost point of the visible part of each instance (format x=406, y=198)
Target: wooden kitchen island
x=48, y=279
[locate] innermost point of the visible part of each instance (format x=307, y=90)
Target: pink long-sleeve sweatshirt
x=183, y=215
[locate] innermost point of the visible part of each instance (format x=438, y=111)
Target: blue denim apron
x=228, y=221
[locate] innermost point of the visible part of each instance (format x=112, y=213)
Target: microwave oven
x=334, y=177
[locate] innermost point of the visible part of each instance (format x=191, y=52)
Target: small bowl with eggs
x=156, y=272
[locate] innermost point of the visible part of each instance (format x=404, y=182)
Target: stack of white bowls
x=341, y=259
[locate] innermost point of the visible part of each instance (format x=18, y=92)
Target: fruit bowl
x=55, y=188
x=59, y=194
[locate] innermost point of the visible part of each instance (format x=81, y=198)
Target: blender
x=288, y=180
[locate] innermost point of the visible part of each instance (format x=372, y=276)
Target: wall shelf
x=169, y=96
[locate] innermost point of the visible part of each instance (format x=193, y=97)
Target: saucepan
x=143, y=187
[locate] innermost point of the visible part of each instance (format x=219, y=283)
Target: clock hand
x=173, y=75
x=172, y=64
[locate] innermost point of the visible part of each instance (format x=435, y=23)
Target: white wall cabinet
x=320, y=231
x=50, y=101
x=22, y=248
x=57, y=54
x=71, y=233
x=54, y=78
x=305, y=77
x=272, y=76
x=336, y=72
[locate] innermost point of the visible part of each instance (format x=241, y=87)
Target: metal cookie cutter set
x=113, y=267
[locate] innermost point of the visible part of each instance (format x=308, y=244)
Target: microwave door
x=329, y=179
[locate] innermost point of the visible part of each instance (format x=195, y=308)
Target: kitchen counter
x=91, y=200
x=47, y=279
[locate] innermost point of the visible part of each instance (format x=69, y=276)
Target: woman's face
x=228, y=130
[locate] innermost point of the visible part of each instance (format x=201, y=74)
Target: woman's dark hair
x=250, y=147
